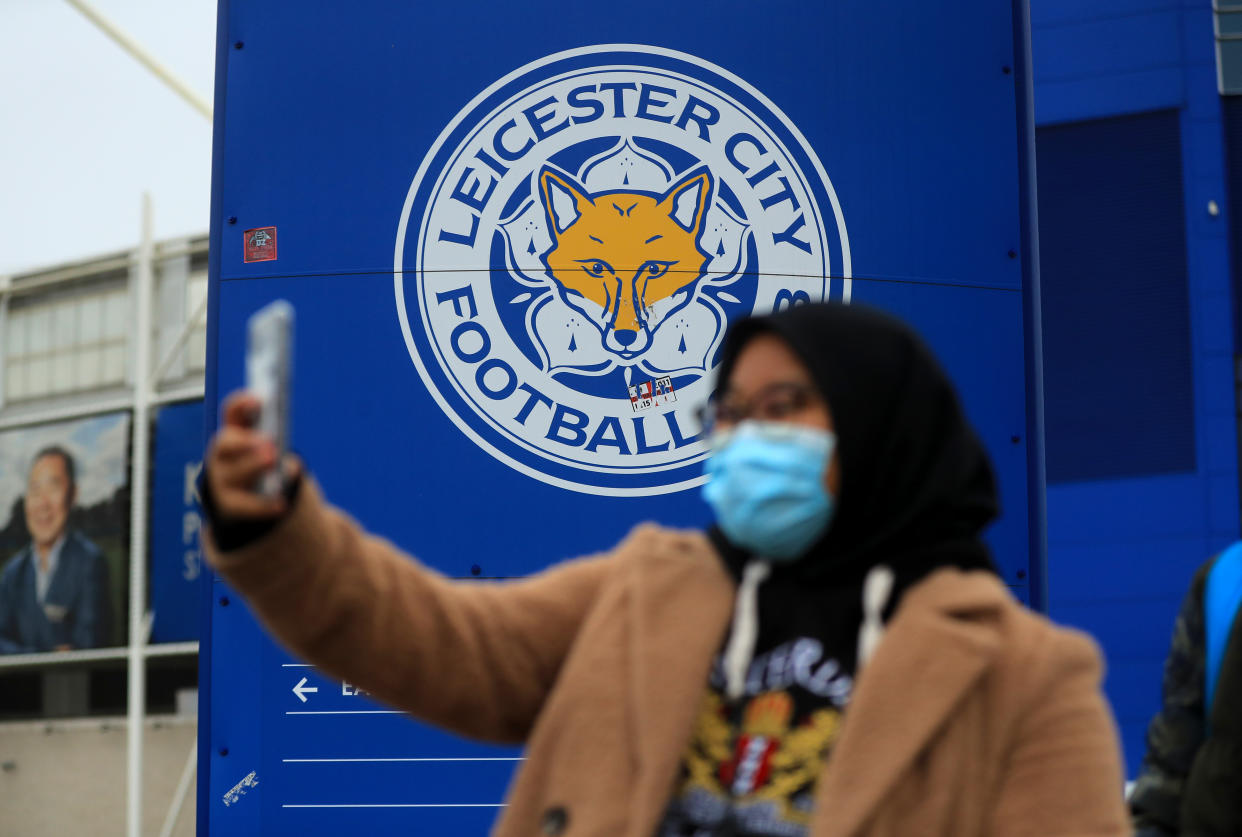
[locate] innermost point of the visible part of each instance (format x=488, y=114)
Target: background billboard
x=176, y=554
x=84, y=602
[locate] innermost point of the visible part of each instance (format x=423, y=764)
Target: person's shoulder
x=79, y=547
x=1062, y=644
x=661, y=551
x=654, y=541
x=13, y=566
x=973, y=596
x=1039, y=653
x=1029, y=644
x=1227, y=560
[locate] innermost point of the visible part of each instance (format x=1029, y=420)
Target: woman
x=836, y=657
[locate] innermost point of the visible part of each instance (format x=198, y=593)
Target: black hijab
x=917, y=488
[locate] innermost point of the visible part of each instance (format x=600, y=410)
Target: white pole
x=138, y=625
x=170, y=356
x=4, y=337
x=183, y=790
x=143, y=57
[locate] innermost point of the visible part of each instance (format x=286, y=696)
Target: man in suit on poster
x=54, y=593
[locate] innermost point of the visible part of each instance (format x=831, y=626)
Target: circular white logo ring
x=577, y=241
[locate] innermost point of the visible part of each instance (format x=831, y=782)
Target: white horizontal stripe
x=344, y=712
x=405, y=805
x=49, y=659
x=446, y=758
x=296, y=665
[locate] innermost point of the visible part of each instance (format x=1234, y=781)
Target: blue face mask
x=766, y=485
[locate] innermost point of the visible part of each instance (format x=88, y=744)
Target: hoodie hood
x=917, y=488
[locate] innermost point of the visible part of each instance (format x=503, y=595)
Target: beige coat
x=974, y=717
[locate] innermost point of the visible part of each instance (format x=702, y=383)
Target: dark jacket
x=1191, y=782
x=76, y=610
x=1212, y=803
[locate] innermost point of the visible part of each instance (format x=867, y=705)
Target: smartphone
x=269, y=377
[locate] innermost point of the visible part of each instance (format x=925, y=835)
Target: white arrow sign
x=301, y=689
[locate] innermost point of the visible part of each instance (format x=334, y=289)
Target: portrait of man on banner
x=64, y=488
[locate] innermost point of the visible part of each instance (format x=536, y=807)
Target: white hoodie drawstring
x=741, y=648
x=877, y=587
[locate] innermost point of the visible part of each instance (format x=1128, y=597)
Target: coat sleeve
x=1176, y=732
x=476, y=657
x=1063, y=777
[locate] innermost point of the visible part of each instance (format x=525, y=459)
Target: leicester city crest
x=577, y=241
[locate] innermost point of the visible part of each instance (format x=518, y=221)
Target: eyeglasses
x=774, y=402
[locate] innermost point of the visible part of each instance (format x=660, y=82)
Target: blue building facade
x=1139, y=325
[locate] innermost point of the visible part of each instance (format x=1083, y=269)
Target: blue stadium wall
x=1138, y=317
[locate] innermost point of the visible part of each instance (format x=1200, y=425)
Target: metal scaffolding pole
x=183, y=790
x=142, y=56
x=139, y=625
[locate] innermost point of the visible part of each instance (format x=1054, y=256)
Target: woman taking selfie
x=836, y=656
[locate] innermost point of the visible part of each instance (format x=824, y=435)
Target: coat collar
x=681, y=600
x=939, y=643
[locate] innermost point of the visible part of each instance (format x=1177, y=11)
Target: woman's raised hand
x=237, y=457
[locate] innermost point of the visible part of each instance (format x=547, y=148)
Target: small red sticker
x=260, y=244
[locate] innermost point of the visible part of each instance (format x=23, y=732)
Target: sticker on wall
x=260, y=244
x=578, y=239
x=249, y=781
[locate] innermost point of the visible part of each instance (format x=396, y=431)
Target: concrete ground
x=68, y=777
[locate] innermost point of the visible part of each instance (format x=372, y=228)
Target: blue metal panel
x=1106, y=59
x=238, y=721
x=327, y=116
x=1222, y=506
x=1144, y=623
x=1213, y=324
x=1217, y=400
x=1032, y=305
x=1198, y=36
x=997, y=413
x=206, y=601
x=1110, y=46
x=1220, y=448
x=1231, y=108
x=1128, y=629
x=1202, y=100
x=1135, y=692
x=1114, y=281
x=1112, y=95
x=1048, y=13
x=1122, y=567
x=1104, y=511
x=896, y=197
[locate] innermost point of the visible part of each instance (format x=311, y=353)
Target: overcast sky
x=85, y=129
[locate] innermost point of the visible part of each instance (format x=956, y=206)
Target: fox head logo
x=626, y=260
